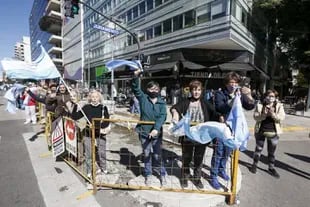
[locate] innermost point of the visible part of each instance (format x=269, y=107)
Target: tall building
x=22, y=50
x=52, y=40
x=180, y=39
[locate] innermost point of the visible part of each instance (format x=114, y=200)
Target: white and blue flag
x=11, y=96
x=234, y=133
x=42, y=68
x=114, y=64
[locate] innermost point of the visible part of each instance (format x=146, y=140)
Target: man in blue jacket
x=152, y=108
x=223, y=101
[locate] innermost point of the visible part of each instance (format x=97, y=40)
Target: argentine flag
x=117, y=63
x=42, y=68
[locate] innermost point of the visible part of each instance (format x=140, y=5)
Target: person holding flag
x=223, y=102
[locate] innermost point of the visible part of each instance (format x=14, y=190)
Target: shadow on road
x=34, y=137
x=299, y=157
x=279, y=164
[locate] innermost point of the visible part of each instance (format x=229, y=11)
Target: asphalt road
x=18, y=183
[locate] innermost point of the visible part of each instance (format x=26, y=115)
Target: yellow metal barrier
x=133, y=181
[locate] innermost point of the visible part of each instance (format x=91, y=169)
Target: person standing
x=152, y=108
x=268, y=117
x=30, y=105
x=200, y=111
x=223, y=101
x=94, y=109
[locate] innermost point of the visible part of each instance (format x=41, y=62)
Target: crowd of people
x=151, y=105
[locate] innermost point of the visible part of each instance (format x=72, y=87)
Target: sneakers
x=274, y=173
x=184, y=181
x=215, y=183
x=26, y=122
x=198, y=184
x=100, y=171
x=163, y=180
x=253, y=169
x=148, y=181
x=223, y=175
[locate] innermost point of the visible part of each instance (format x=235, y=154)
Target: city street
x=30, y=176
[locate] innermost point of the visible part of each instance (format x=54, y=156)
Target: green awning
x=100, y=70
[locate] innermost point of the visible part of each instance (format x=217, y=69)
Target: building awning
x=191, y=65
x=233, y=67
x=161, y=66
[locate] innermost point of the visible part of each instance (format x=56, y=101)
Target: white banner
x=71, y=139
x=58, y=141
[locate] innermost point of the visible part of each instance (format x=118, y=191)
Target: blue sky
x=14, y=24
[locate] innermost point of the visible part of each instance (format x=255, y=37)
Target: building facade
x=22, y=50
x=52, y=40
x=179, y=39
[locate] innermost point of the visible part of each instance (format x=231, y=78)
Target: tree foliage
x=289, y=28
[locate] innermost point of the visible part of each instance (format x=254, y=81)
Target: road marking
x=287, y=129
x=85, y=195
x=0, y=139
x=47, y=154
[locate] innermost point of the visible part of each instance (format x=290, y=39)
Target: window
x=149, y=5
x=129, y=40
x=203, y=13
x=218, y=9
x=158, y=3
x=238, y=13
x=129, y=17
x=135, y=12
x=157, y=30
x=149, y=33
x=167, y=26
x=177, y=22
x=141, y=36
x=189, y=18
x=142, y=7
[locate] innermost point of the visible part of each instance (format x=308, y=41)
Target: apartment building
x=52, y=40
x=22, y=50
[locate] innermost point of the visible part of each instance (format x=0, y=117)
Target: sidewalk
x=168, y=198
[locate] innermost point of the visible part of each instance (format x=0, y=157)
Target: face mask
x=270, y=99
x=152, y=94
x=232, y=89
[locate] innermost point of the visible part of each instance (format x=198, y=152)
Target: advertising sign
x=58, y=142
x=71, y=139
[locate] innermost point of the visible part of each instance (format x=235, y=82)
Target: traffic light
x=71, y=8
x=75, y=7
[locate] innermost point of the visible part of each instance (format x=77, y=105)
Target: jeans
x=190, y=149
x=101, y=144
x=152, y=151
x=219, y=158
x=271, y=148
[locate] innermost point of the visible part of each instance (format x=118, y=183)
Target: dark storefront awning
x=192, y=66
x=233, y=67
x=161, y=66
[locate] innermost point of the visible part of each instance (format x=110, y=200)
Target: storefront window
x=177, y=22
x=129, y=17
x=189, y=18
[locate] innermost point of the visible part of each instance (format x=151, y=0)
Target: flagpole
x=63, y=81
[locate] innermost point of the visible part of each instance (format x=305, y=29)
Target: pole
x=115, y=22
x=112, y=72
x=88, y=59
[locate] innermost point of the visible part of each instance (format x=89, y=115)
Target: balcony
x=53, y=5
x=55, y=50
x=57, y=61
x=54, y=14
x=55, y=39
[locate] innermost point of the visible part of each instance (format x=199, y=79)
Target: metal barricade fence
x=124, y=159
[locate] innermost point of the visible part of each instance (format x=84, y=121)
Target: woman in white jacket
x=268, y=115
